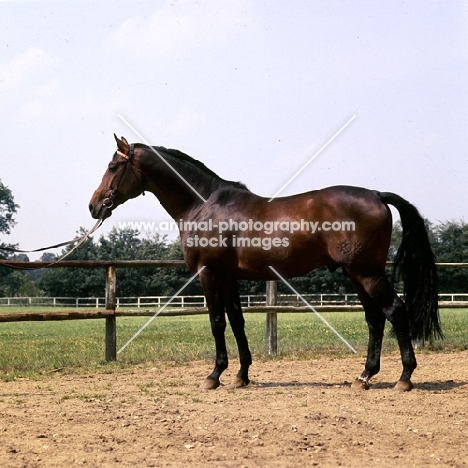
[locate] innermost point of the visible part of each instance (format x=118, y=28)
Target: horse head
x=121, y=181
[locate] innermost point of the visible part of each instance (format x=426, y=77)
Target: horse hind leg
x=236, y=319
x=376, y=323
x=382, y=293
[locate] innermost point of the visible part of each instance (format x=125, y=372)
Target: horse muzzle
x=102, y=210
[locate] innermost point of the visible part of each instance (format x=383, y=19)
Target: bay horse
x=229, y=233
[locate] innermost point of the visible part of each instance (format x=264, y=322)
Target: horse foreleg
x=236, y=319
x=214, y=298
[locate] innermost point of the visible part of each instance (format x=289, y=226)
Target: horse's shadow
x=269, y=384
x=424, y=386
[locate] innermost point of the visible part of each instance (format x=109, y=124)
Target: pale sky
x=251, y=88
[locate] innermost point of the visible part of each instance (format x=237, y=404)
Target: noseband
x=109, y=201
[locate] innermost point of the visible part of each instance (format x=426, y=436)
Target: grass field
x=31, y=348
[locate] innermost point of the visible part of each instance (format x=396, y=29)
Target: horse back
x=333, y=227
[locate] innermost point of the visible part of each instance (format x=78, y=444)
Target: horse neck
x=180, y=188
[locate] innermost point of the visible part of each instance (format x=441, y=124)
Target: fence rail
x=181, y=302
x=271, y=304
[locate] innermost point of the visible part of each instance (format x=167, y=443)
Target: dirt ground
x=295, y=413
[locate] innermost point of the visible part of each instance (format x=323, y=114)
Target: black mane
x=185, y=157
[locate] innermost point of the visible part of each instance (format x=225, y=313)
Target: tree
x=74, y=282
x=451, y=246
x=119, y=244
x=12, y=282
x=124, y=244
x=8, y=208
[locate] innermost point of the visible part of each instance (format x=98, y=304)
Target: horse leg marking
x=361, y=383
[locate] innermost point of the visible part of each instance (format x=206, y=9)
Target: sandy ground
x=295, y=413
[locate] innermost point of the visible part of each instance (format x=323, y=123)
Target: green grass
x=31, y=348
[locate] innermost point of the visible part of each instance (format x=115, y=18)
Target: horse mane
x=198, y=164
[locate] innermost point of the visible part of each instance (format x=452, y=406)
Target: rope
x=80, y=240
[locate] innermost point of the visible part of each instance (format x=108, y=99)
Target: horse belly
x=288, y=260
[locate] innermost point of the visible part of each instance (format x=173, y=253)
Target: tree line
x=449, y=241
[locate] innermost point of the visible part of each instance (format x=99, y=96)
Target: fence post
x=271, y=319
x=111, y=328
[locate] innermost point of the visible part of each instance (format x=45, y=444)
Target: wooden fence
x=110, y=313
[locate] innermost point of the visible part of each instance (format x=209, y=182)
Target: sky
x=252, y=88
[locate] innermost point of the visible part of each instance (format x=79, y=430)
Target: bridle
x=107, y=204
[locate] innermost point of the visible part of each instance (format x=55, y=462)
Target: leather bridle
x=108, y=202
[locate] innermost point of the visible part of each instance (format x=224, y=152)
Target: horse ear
x=122, y=144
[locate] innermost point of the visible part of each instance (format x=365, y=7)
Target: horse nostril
x=91, y=207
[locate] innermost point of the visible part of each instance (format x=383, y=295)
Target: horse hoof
x=359, y=384
x=238, y=383
x=404, y=386
x=210, y=384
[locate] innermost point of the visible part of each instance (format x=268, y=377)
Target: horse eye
x=112, y=166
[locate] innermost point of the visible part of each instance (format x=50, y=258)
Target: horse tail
x=415, y=264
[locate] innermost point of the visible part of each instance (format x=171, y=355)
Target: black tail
x=415, y=264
